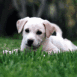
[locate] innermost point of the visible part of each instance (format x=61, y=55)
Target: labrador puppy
x=37, y=32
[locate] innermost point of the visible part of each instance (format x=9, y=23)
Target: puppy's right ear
x=20, y=24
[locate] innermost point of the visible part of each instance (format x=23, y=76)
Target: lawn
x=38, y=64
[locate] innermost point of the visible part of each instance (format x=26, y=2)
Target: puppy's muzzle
x=30, y=42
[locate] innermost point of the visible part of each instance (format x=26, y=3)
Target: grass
x=38, y=64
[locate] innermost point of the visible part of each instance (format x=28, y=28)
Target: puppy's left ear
x=49, y=28
x=20, y=23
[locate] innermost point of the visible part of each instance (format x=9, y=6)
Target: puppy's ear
x=49, y=28
x=20, y=24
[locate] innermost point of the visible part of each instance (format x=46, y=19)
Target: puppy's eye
x=27, y=30
x=38, y=32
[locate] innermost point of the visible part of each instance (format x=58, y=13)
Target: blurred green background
x=61, y=12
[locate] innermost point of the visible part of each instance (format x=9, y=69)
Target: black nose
x=30, y=42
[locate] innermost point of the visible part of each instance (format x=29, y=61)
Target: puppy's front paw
x=10, y=52
x=54, y=51
x=6, y=51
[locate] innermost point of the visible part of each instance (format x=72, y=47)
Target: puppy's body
x=63, y=44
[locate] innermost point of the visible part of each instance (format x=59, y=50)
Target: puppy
x=37, y=32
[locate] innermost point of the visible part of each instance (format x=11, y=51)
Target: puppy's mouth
x=32, y=46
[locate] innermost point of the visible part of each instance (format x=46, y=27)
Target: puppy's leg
x=52, y=48
x=70, y=45
x=49, y=47
x=23, y=46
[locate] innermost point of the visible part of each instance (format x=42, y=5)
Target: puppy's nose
x=30, y=42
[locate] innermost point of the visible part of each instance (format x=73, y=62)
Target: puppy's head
x=35, y=30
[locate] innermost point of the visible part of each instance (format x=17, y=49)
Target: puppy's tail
x=57, y=30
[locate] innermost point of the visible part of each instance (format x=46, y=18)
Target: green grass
x=32, y=64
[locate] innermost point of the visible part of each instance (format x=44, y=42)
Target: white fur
x=49, y=42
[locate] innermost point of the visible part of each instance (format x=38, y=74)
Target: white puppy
x=37, y=32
